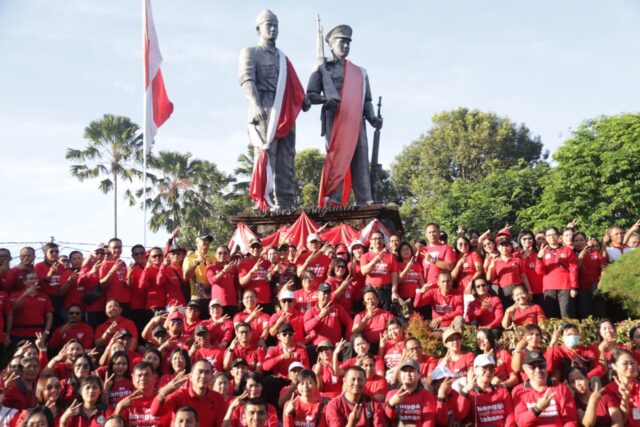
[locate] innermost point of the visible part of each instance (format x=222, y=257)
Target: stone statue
x=275, y=97
x=343, y=123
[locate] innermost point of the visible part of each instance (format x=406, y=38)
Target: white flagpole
x=144, y=121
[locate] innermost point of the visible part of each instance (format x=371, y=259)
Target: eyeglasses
x=413, y=348
x=286, y=301
x=155, y=256
x=539, y=366
x=482, y=285
x=54, y=386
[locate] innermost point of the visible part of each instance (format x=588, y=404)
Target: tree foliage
x=114, y=151
x=596, y=179
x=622, y=282
x=438, y=176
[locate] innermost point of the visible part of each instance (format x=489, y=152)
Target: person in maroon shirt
x=203, y=349
x=138, y=314
x=89, y=280
x=242, y=348
x=220, y=325
x=522, y=312
x=326, y=320
x=5, y=266
x=529, y=255
x=306, y=407
x=561, y=358
x=590, y=267
x=592, y=408
x=468, y=264
x=371, y=322
x=113, y=276
x=171, y=278
x=381, y=270
x=20, y=392
x=156, y=294
x=456, y=360
x=306, y=297
x=485, y=310
x=50, y=276
x=410, y=275
x=354, y=408
x=288, y=313
x=222, y=275
x=559, y=267
x=210, y=405
x=411, y=403
x=70, y=290
x=74, y=328
x=252, y=273
x=14, y=280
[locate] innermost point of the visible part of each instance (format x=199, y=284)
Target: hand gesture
x=239, y=400
x=397, y=398
x=445, y=388
x=435, y=323
x=175, y=232
x=71, y=411
x=289, y=408
x=623, y=389
x=179, y=379
x=339, y=346
x=108, y=381
x=545, y=400
x=554, y=336
x=126, y=401
x=355, y=415
x=543, y=247
x=10, y=379
x=325, y=310
x=40, y=341
x=471, y=381
x=596, y=393
x=605, y=344
x=573, y=224
x=31, y=290
x=522, y=343
x=222, y=319
x=256, y=311
x=317, y=368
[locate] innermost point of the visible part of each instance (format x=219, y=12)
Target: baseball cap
x=503, y=240
x=324, y=287
x=483, y=360
x=448, y=333
x=285, y=327
x=410, y=363
x=324, y=343
x=176, y=248
x=175, y=315
x=215, y=301
x=313, y=237
x=534, y=356
x=238, y=361
x=159, y=331
x=286, y=294
x=441, y=372
x=255, y=242
x=125, y=333
x=341, y=248
x=200, y=329
x=295, y=365
x=205, y=236
x=193, y=303
x=356, y=242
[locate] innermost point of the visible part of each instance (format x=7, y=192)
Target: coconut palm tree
x=114, y=151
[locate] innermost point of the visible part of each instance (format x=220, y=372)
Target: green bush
x=621, y=281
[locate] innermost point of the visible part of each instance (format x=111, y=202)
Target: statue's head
x=339, y=39
x=267, y=26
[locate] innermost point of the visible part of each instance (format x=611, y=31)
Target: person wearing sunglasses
x=486, y=310
x=50, y=272
x=156, y=293
x=73, y=329
x=222, y=275
x=288, y=313
x=138, y=313
x=541, y=400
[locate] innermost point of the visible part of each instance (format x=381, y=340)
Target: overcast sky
x=547, y=64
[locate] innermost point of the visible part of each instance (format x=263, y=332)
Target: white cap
x=356, y=242
x=483, y=360
x=312, y=237
x=286, y=294
x=441, y=372
x=295, y=365
x=215, y=302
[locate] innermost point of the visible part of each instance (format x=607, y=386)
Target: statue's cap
x=339, y=32
x=265, y=16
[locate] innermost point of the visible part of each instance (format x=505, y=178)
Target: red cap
x=175, y=315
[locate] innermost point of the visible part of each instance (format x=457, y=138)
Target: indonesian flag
x=158, y=107
x=344, y=136
x=286, y=107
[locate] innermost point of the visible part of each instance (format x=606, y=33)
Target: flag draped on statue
x=344, y=136
x=286, y=107
x=158, y=107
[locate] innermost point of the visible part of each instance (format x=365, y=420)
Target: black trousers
x=558, y=303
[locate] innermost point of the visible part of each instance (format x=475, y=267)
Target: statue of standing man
x=345, y=106
x=275, y=97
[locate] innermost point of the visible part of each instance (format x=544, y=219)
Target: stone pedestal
x=358, y=217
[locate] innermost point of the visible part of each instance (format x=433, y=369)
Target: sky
x=547, y=64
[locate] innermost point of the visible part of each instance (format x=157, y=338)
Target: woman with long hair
x=118, y=384
x=485, y=311
x=522, y=312
x=590, y=267
x=179, y=361
x=622, y=395
x=468, y=266
x=306, y=408
x=503, y=375
x=529, y=253
x=82, y=368
x=252, y=387
x=341, y=285
x=87, y=409
x=592, y=409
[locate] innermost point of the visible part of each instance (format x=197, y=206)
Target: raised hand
x=289, y=408
x=545, y=400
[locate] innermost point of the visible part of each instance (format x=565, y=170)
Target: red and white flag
x=158, y=107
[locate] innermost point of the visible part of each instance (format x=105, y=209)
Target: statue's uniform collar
x=268, y=47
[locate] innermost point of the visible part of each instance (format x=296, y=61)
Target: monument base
x=265, y=223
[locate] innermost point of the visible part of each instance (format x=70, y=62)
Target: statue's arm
x=314, y=88
x=368, y=110
x=247, y=77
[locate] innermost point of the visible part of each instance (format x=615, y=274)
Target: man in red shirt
x=541, y=401
x=447, y=305
x=74, y=328
x=560, y=359
x=115, y=322
x=411, y=403
x=50, y=275
x=138, y=313
x=156, y=293
x=253, y=275
x=381, y=270
x=136, y=407
x=14, y=280
x=327, y=321
x=113, y=276
x=288, y=313
x=5, y=266
x=223, y=278
x=313, y=259
x=219, y=325
x=209, y=404
x=242, y=348
x=353, y=407
x=31, y=311
x=371, y=322
x=436, y=256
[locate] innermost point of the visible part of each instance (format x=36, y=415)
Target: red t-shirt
x=89, y=281
x=559, y=268
x=252, y=354
x=447, y=307
x=488, y=409
x=305, y=299
x=215, y=356
x=392, y=352
x=407, y=287
x=319, y=265
x=374, y=326
x=468, y=268
x=380, y=274
x=223, y=288
x=220, y=333
x=529, y=315
x=346, y=299
x=489, y=317
x=377, y=384
x=417, y=408
x=138, y=294
x=51, y=287
x=258, y=324
x=508, y=272
x=117, y=286
x=296, y=319
x=278, y=366
x=590, y=270
x=305, y=414
x=138, y=414
x=122, y=322
x=79, y=331
x=75, y=290
x=259, y=282
x=329, y=327
x=379, y=364
x=534, y=278
x=338, y=410
x=120, y=390
x=561, y=411
x=331, y=384
x=171, y=278
x=210, y=409
x=462, y=365
x=14, y=279
x=31, y=316
x=443, y=252
x=156, y=292
x=5, y=309
x=611, y=398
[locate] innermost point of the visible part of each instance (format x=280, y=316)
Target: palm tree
x=115, y=151
x=184, y=191
x=244, y=169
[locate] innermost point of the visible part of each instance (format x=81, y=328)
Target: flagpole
x=144, y=121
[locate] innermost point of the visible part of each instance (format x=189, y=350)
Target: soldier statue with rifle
x=342, y=88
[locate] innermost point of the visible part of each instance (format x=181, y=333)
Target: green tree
x=622, y=282
x=244, y=170
x=308, y=171
x=596, y=179
x=462, y=147
x=114, y=151
x=189, y=193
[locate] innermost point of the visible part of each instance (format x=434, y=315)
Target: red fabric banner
x=344, y=136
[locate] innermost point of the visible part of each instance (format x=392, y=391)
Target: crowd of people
x=315, y=336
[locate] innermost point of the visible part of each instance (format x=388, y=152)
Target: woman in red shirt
x=506, y=271
x=341, y=285
x=592, y=409
x=485, y=310
x=624, y=391
x=307, y=407
x=171, y=277
x=486, y=344
x=118, y=384
x=528, y=253
x=410, y=274
x=489, y=251
x=468, y=267
x=87, y=411
x=376, y=385
x=522, y=312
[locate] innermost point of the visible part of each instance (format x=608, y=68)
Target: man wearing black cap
x=195, y=270
x=203, y=349
x=252, y=273
x=344, y=135
x=540, y=400
x=171, y=277
x=411, y=403
x=327, y=320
